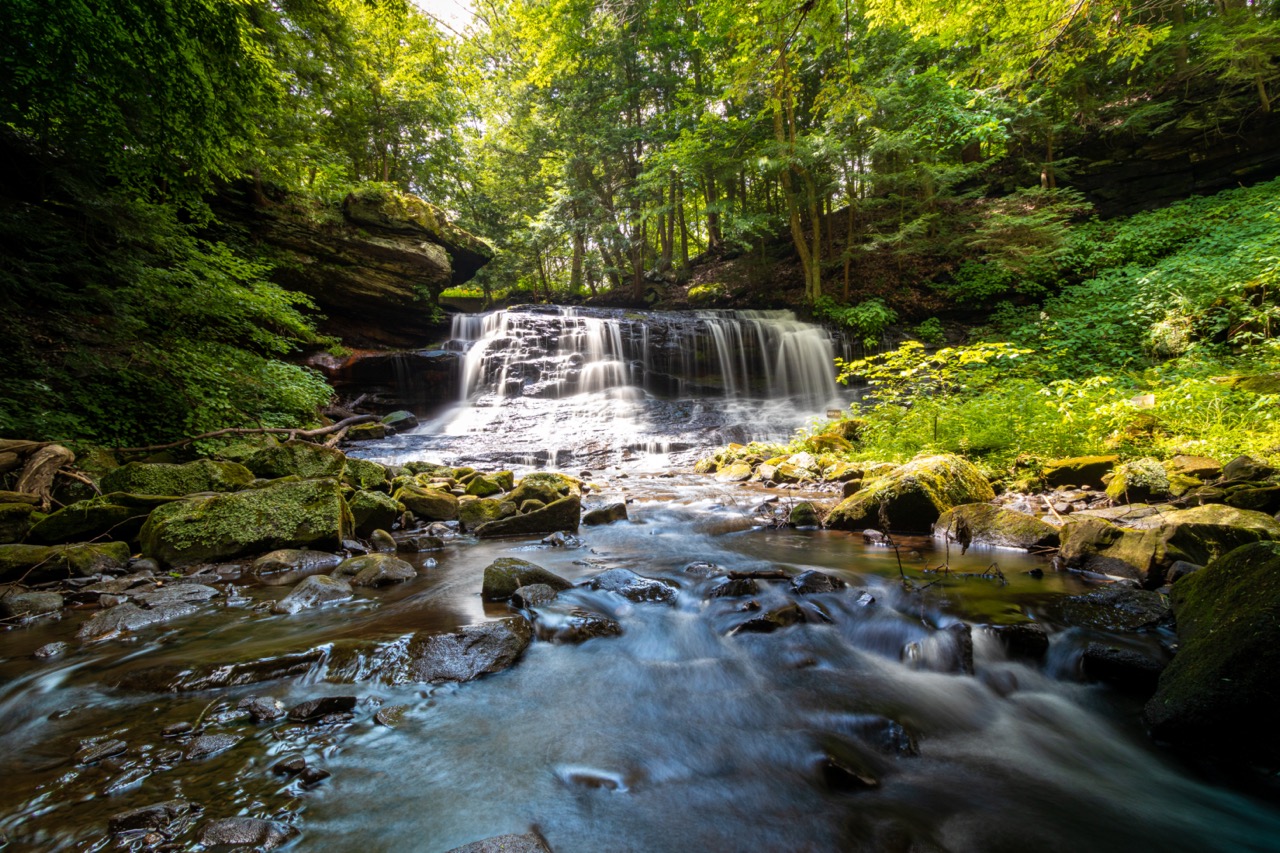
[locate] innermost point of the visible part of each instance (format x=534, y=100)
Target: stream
x=864, y=726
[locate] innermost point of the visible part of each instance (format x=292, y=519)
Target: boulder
x=533, y=595
x=258, y=833
x=734, y=472
x=986, y=524
x=813, y=582
x=294, y=561
x=313, y=592
x=40, y=563
x=1149, y=545
x=15, y=520
x=505, y=575
x=1078, y=471
x=128, y=618
x=203, y=475
x=400, y=421
x=634, y=587
x=375, y=570
x=472, y=514
x=367, y=432
x=1022, y=640
x=562, y=514
x=914, y=495
x=1219, y=693
x=427, y=657
x=1127, y=669
x=803, y=514
x=1139, y=481
x=22, y=606
x=1199, y=467
x=297, y=458
x=578, y=626
x=768, y=621
x=117, y=514
x=1114, y=609
x=483, y=487
x=606, y=514
x=373, y=511
x=1246, y=469
x=531, y=843
x=427, y=504
x=364, y=475
x=734, y=588
x=302, y=514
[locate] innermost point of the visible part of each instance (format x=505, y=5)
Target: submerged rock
x=127, y=618
x=1124, y=668
x=1022, y=640
x=505, y=575
x=218, y=675
x=505, y=844
x=315, y=709
x=813, y=582
x=313, y=592
x=1115, y=609
x=468, y=653
x=768, y=621
x=578, y=626
x=634, y=587
x=914, y=495
x=985, y=524
x=246, y=832
x=153, y=818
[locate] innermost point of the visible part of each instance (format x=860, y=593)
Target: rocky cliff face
x=374, y=266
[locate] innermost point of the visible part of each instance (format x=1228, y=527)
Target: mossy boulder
x=1078, y=471
x=1246, y=469
x=474, y=513
x=504, y=576
x=562, y=514
x=1220, y=692
x=116, y=515
x=373, y=510
x=1259, y=383
x=828, y=442
x=483, y=487
x=1261, y=498
x=734, y=472
x=986, y=524
x=203, y=475
x=306, y=460
x=15, y=521
x=505, y=479
x=428, y=504
x=803, y=514
x=367, y=432
x=400, y=421
x=39, y=563
x=1139, y=481
x=1199, y=467
x=365, y=475
x=914, y=495
x=543, y=486
x=1145, y=548
x=304, y=514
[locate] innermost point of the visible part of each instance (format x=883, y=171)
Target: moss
x=1223, y=680
x=1261, y=383
x=373, y=510
x=203, y=475
x=562, y=514
x=15, y=521
x=365, y=475
x=483, y=487
x=505, y=479
x=311, y=513
x=803, y=514
x=1139, y=481
x=306, y=460
x=829, y=441
x=472, y=514
x=914, y=495
x=39, y=563
x=504, y=576
x=738, y=472
x=428, y=504
x=1078, y=471
x=116, y=515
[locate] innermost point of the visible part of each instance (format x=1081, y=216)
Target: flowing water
x=860, y=728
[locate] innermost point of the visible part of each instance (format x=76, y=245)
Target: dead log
x=37, y=475
x=291, y=433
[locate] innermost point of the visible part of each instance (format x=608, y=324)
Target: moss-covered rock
x=483, y=487
x=1199, y=467
x=474, y=513
x=115, y=515
x=373, y=510
x=562, y=514
x=986, y=524
x=306, y=460
x=504, y=576
x=203, y=475
x=913, y=496
x=1222, y=682
x=365, y=475
x=39, y=563
x=367, y=432
x=1139, y=481
x=15, y=521
x=803, y=514
x=734, y=472
x=1259, y=383
x=505, y=479
x=1246, y=469
x=428, y=504
x=544, y=486
x=1078, y=471
x=310, y=513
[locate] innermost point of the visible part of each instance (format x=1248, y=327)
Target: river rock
x=302, y=514
x=634, y=587
x=382, y=542
x=803, y=514
x=1115, y=609
x=252, y=832
x=1145, y=548
x=1124, y=668
x=768, y=621
x=468, y=653
x=203, y=475
x=1022, y=640
x=297, y=458
x=15, y=520
x=313, y=592
x=173, y=593
x=483, y=487
x=375, y=570
x=985, y=524
x=813, y=582
x=417, y=543
x=24, y=606
x=290, y=565
x=472, y=514
x=1139, y=481
x=704, y=569
x=734, y=588
x=734, y=472
x=261, y=709
x=116, y=515
x=533, y=595
x=316, y=709
x=578, y=626
x=153, y=818
x=127, y=618
x=39, y=563
x=530, y=843
x=505, y=575
x=1219, y=693
x=365, y=475
x=400, y=421
x=606, y=515
x=428, y=504
x=562, y=514
x=206, y=746
x=1082, y=471
x=373, y=511
x=914, y=495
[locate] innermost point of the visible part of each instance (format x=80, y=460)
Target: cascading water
x=592, y=387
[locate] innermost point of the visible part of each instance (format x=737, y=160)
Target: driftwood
x=771, y=575
x=37, y=475
x=340, y=427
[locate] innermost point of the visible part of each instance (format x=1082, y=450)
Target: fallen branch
x=292, y=433
x=771, y=575
x=37, y=475
x=81, y=478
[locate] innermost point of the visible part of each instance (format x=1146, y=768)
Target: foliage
x=930, y=331
x=868, y=320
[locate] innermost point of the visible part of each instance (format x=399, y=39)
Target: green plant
x=930, y=331
x=868, y=320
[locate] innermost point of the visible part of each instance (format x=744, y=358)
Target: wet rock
x=560, y=539
x=578, y=626
x=561, y=514
x=365, y=475
x=735, y=588
x=261, y=709
x=1115, y=609
x=505, y=844
x=154, y=818
x=1025, y=640
x=313, y=592
x=768, y=621
x=246, y=832
x=871, y=536
x=812, y=582
x=469, y=653
x=704, y=569
x=483, y=487
x=295, y=562
x=803, y=514
x=291, y=766
x=1084, y=471
x=390, y=715
x=95, y=752
x=34, y=564
x=426, y=503
x=174, y=730
x=374, y=570
x=847, y=767
x=505, y=575
x=984, y=524
x=125, y=781
x=301, y=514
x=1219, y=693
x=373, y=511
x=207, y=746
x=29, y=605
x=174, y=593
x=127, y=618
x=310, y=776
x=1126, y=669
x=179, y=679
x=472, y=514
x=1139, y=481
x=382, y=542
x=417, y=544
x=606, y=515
x=634, y=587
x=51, y=650
x=914, y=495
x=533, y=595
x=316, y=709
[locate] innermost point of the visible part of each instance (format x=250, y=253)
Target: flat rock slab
x=126, y=618
x=152, y=818
x=473, y=651
x=505, y=844
x=174, y=679
x=246, y=832
x=1115, y=609
x=313, y=592
x=177, y=593
x=206, y=746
